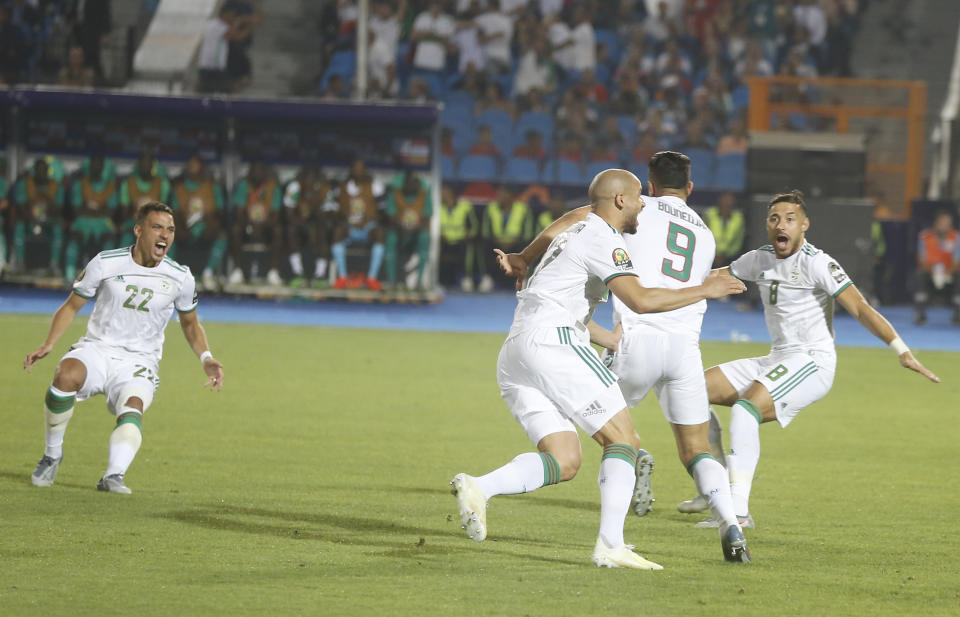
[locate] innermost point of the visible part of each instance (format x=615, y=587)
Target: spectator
x=550, y=8
x=659, y=25
x=336, y=90
x=809, y=15
x=727, y=224
x=584, y=48
x=645, y=149
x=459, y=229
x=496, y=36
x=75, y=74
x=484, y=145
x=198, y=206
x=561, y=43
x=536, y=70
x=736, y=140
x=554, y=210
x=571, y=149
x=604, y=152
x=408, y=209
x=38, y=206
x=310, y=218
x=95, y=199
x=359, y=222
x=531, y=148
x=215, y=46
x=256, y=218
x=92, y=25
x=508, y=226
x=612, y=136
x=696, y=139
x=432, y=31
x=467, y=41
x=246, y=16
x=13, y=49
x=938, y=266
x=419, y=90
x=384, y=31
x=590, y=90
x=493, y=98
x=147, y=183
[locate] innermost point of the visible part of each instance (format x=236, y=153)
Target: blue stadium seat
x=539, y=121
x=731, y=172
x=519, y=169
x=463, y=137
x=568, y=172
x=477, y=167
x=608, y=38
x=740, y=98
x=501, y=125
x=602, y=73
x=448, y=167
x=594, y=167
x=627, y=125
x=702, y=162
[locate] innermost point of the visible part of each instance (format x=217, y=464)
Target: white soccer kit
x=124, y=340
x=548, y=373
x=798, y=301
x=673, y=249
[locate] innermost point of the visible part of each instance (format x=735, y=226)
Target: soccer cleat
x=236, y=277
x=113, y=484
x=642, y=491
x=472, y=505
x=746, y=522
x=46, y=471
x=486, y=284
x=340, y=283
x=466, y=284
x=209, y=281
x=620, y=557
x=692, y=506
x=734, y=545
x=373, y=284
x=273, y=278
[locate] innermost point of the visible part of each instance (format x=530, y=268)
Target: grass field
x=316, y=483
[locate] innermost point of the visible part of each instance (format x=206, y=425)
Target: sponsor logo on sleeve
x=621, y=260
x=836, y=272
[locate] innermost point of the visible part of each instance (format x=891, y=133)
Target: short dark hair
x=669, y=170
x=792, y=197
x=152, y=206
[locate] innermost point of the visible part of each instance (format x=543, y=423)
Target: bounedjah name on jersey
x=683, y=214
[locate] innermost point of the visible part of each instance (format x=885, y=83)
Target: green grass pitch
x=316, y=483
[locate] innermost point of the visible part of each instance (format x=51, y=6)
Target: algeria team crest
x=621, y=260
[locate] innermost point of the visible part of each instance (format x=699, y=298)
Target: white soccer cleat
x=473, y=506
x=693, y=506
x=746, y=522
x=486, y=284
x=643, y=490
x=209, y=281
x=620, y=557
x=236, y=277
x=46, y=471
x=113, y=484
x=273, y=278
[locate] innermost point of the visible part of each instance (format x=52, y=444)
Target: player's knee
x=70, y=375
x=569, y=464
x=134, y=402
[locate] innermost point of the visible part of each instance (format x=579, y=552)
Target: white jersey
x=673, y=249
x=797, y=294
x=572, y=277
x=133, y=303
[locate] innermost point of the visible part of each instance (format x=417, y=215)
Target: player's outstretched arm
x=516, y=264
x=853, y=301
x=61, y=321
x=197, y=338
x=656, y=300
x=603, y=337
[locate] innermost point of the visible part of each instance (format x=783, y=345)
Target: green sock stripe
x=749, y=406
x=804, y=370
x=59, y=404
x=131, y=418
x=621, y=451
x=693, y=462
x=551, y=469
x=799, y=379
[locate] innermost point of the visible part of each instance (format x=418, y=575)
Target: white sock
x=320, y=268
x=296, y=264
x=617, y=478
x=57, y=411
x=744, y=453
x=124, y=442
x=525, y=473
x=714, y=484
x=715, y=437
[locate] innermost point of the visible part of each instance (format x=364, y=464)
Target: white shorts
x=794, y=380
x=670, y=365
x=116, y=376
x=551, y=378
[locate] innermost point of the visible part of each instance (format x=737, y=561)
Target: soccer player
x=553, y=381
x=673, y=249
x=798, y=284
x=136, y=289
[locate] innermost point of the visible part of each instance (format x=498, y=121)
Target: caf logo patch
x=836, y=272
x=621, y=260
x=82, y=272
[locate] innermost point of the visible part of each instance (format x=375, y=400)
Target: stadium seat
x=627, y=125
x=477, y=167
x=520, y=169
x=448, y=167
x=731, y=172
x=538, y=121
x=501, y=125
x=702, y=162
x=463, y=137
x=740, y=98
x=602, y=74
x=592, y=168
x=608, y=38
x=567, y=172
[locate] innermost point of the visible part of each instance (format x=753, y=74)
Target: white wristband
x=207, y=354
x=898, y=346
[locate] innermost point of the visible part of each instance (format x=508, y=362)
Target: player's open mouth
x=161, y=247
x=782, y=241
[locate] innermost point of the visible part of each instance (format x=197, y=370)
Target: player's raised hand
x=512, y=264
x=41, y=352
x=214, y=371
x=722, y=285
x=908, y=361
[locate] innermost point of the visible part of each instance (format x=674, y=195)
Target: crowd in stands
x=555, y=90
x=223, y=61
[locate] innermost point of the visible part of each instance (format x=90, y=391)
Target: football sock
x=70, y=261
x=715, y=437
x=57, y=411
x=296, y=264
x=217, y=251
x=124, y=441
x=744, y=452
x=616, y=480
x=376, y=258
x=713, y=483
x=525, y=473
x=339, y=251
x=20, y=242
x=320, y=268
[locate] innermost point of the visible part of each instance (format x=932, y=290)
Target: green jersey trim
x=82, y=296
x=189, y=310
x=844, y=286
